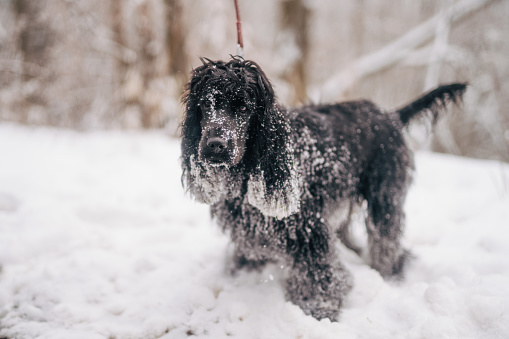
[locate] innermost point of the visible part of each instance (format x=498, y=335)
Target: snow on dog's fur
x=275, y=178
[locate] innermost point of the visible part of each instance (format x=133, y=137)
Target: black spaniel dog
x=278, y=179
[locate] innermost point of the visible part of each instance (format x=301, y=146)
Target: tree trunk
x=121, y=63
x=295, y=21
x=175, y=41
x=35, y=37
x=146, y=65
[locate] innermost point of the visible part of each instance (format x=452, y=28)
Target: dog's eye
x=207, y=103
x=243, y=108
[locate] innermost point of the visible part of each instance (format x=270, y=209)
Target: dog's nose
x=217, y=144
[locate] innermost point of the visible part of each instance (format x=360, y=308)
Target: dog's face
x=224, y=103
x=234, y=133
x=225, y=118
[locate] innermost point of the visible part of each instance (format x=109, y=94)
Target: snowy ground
x=97, y=240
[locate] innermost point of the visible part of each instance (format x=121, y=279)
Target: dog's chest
x=256, y=235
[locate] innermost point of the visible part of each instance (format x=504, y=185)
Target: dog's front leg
x=318, y=287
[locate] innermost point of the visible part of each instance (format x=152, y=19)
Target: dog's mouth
x=216, y=162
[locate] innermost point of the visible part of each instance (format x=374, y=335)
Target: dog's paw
x=321, y=310
x=394, y=269
x=319, y=291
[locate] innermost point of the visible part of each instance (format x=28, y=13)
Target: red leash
x=240, y=42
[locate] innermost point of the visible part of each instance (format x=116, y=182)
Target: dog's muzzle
x=215, y=149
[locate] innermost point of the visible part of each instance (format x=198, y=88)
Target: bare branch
x=23, y=68
x=398, y=49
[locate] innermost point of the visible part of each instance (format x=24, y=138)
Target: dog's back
x=363, y=127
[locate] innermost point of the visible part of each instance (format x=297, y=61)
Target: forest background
x=122, y=64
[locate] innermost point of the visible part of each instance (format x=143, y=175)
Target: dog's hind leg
x=387, y=185
x=386, y=253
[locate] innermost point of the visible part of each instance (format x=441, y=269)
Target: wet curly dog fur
x=275, y=177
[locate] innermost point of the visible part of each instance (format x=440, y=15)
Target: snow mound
x=98, y=240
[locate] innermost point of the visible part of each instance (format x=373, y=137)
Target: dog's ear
x=190, y=129
x=273, y=185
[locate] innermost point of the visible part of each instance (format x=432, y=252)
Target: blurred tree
x=122, y=64
x=137, y=64
x=295, y=22
x=175, y=42
x=35, y=35
x=146, y=64
x=35, y=39
x=121, y=60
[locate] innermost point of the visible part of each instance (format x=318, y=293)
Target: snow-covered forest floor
x=98, y=240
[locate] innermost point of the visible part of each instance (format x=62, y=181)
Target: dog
x=277, y=178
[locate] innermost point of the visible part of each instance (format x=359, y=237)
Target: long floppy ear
x=190, y=126
x=273, y=185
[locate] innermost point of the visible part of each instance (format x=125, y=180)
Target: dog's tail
x=433, y=103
